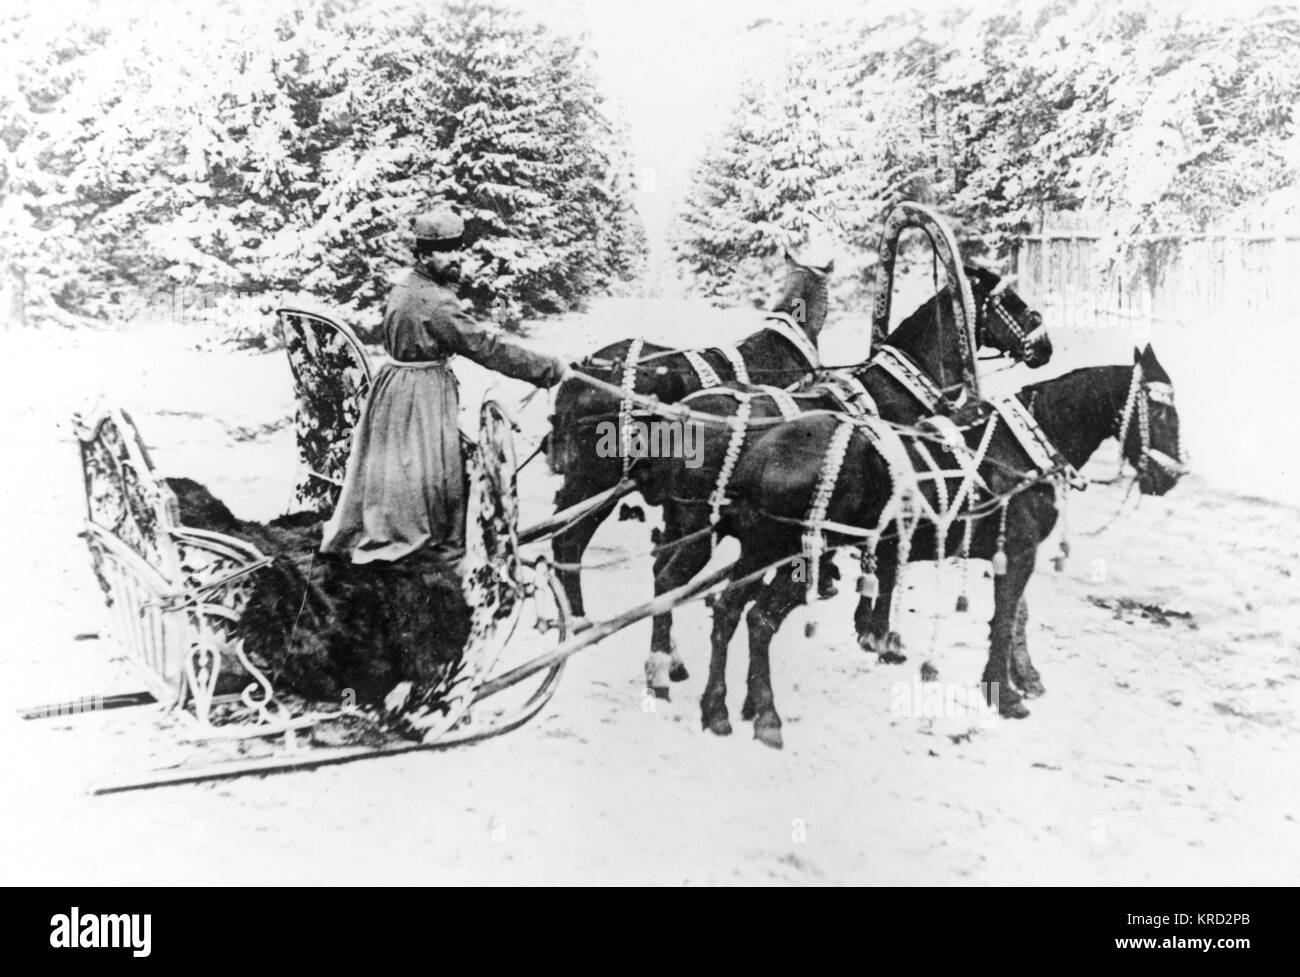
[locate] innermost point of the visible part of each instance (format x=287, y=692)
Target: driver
x=403, y=492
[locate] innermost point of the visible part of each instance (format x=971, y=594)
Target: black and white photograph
x=692, y=443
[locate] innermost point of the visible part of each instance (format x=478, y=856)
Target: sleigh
x=175, y=595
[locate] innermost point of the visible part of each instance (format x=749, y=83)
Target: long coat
x=404, y=488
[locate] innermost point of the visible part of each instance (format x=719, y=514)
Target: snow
x=1161, y=753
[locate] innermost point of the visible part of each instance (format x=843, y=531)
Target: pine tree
x=286, y=150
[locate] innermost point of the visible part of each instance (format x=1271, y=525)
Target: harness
x=1042, y=453
x=707, y=375
x=993, y=306
x=628, y=387
x=904, y=369
x=901, y=507
x=737, y=363
x=849, y=392
x=783, y=324
x=1161, y=393
x=739, y=425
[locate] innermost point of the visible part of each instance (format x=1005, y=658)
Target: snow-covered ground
x=1164, y=750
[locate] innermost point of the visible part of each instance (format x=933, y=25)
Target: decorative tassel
x=963, y=604
x=1063, y=548
x=999, y=560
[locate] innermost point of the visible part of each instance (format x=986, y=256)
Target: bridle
x=993, y=306
x=1141, y=393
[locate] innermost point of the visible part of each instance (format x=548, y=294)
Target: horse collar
x=905, y=370
x=784, y=325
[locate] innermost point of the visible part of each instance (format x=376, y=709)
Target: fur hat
x=439, y=224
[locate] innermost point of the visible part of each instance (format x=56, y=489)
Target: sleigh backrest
x=331, y=377
x=130, y=518
x=164, y=583
x=123, y=498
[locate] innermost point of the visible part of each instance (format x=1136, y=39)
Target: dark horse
x=875, y=496
x=781, y=353
x=692, y=494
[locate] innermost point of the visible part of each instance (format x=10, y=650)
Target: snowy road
x=1164, y=750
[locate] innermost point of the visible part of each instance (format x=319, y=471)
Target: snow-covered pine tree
x=87, y=142
x=285, y=150
x=1156, y=118
x=788, y=167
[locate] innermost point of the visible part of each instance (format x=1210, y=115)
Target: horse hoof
x=769, y=736
x=678, y=673
x=1012, y=709
x=892, y=654
x=747, y=711
x=721, y=726
x=660, y=693
x=827, y=591
x=579, y=624
x=1034, y=688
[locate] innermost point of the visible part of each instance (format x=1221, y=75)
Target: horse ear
x=1137, y=355
x=1151, y=366
x=789, y=258
x=826, y=269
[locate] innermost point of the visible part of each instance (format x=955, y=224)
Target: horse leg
x=773, y=605
x=1022, y=668
x=726, y=617
x=569, y=546
x=871, y=618
x=1008, y=589
x=827, y=573
x=673, y=568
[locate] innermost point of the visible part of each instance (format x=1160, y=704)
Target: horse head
x=804, y=294
x=1003, y=320
x=1148, y=426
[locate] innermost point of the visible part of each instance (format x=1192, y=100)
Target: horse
x=903, y=382
x=896, y=496
x=781, y=353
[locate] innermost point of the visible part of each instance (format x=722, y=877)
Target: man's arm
x=458, y=332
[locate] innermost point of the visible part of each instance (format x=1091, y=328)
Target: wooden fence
x=1188, y=279
x=1223, y=312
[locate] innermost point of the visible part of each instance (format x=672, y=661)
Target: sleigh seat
x=174, y=594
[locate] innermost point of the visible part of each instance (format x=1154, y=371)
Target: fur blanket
x=330, y=631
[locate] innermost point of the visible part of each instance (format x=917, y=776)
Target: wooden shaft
x=575, y=512
x=598, y=632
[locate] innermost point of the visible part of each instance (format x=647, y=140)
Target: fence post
x=17, y=297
